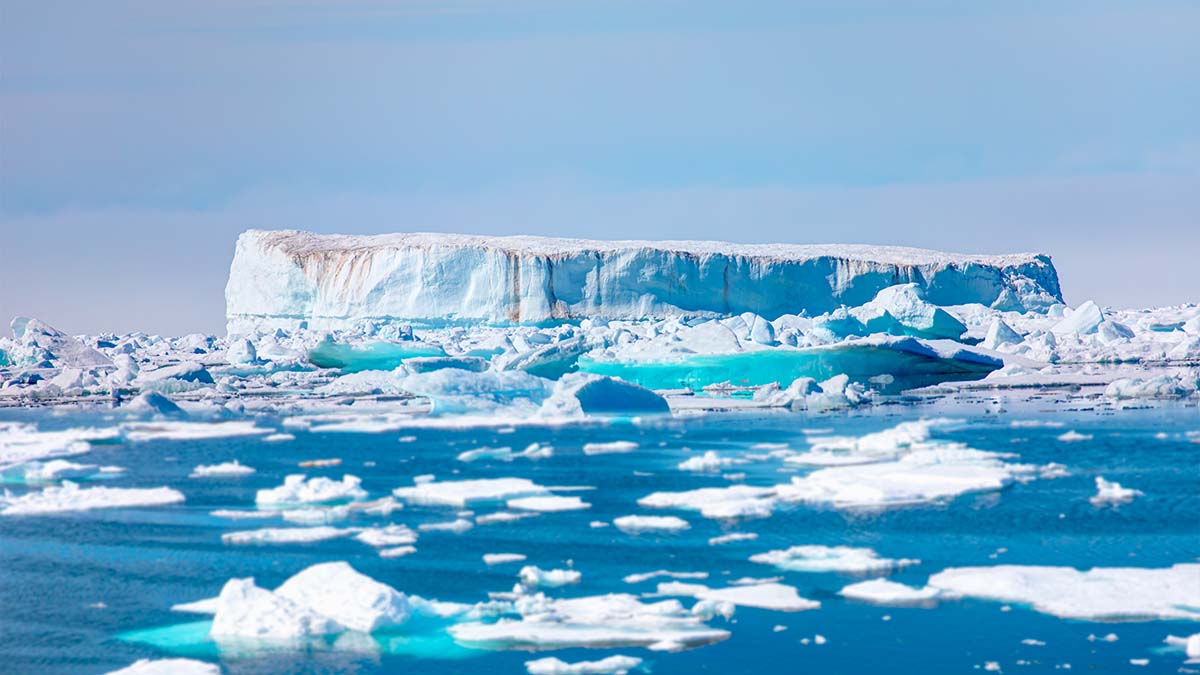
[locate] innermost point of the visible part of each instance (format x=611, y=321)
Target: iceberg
x=296, y=489
x=289, y=279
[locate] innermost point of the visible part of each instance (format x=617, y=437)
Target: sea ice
x=284, y=535
x=1098, y=594
x=611, y=447
x=884, y=592
x=532, y=577
x=243, y=610
x=548, y=504
x=463, y=492
x=71, y=497
x=169, y=667
x=645, y=576
x=774, y=596
x=187, y=431
x=224, y=469
x=1110, y=492
x=296, y=489
x=611, y=665
x=1190, y=644
x=640, y=524
x=21, y=443
x=353, y=600
x=490, y=559
x=844, y=559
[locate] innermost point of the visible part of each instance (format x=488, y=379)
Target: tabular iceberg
x=289, y=278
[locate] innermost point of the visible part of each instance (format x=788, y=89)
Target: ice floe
x=532, y=577
x=885, y=592
x=70, y=497
x=224, y=469
x=298, y=489
x=185, y=431
x=770, y=595
x=547, y=504
x=609, y=447
x=285, y=535
x=640, y=524
x=846, y=559
x=1111, y=492
x=610, y=665
x=490, y=559
x=464, y=492
x=169, y=667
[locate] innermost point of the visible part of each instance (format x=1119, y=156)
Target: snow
x=1098, y=594
x=845, y=559
x=169, y=667
x=281, y=278
x=296, y=489
x=70, y=497
x=532, y=577
x=611, y=665
x=548, y=504
x=885, y=592
x=1108, y=492
x=464, y=492
x=640, y=524
x=224, y=469
x=1162, y=387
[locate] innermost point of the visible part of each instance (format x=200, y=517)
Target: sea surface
x=91, y=592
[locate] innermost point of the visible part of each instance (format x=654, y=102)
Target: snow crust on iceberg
x=354, y=600
x=283, y=278
x=70, y=497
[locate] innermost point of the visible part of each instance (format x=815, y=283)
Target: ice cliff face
x=284, y=278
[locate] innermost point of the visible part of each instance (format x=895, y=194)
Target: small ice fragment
x=222, y=470
x=501, y=558
x=284, y=535
x=639, y=524
x=612, y=665
x=611, y=447
x=533, y=576
x=548, y=504
x=297, y=490
x=169, y=667
x=1073, y=436
x=732, y=537
x=1111, y=492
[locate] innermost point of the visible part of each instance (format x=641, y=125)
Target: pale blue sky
x=138, y=138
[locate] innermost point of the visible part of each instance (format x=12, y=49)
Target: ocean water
x=55, y=570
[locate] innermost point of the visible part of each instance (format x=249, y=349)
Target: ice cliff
x=289, y=278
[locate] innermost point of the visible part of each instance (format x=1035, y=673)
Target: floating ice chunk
x=389, y=535
x=614, y=620
x=284, y=535
x=1163, y=387
x=56, y=469
x=611, y=447
x=1073, y=436
x=490, y=559
x=532, y=576
x=846, y=559
x=187, y=431
x=166, y=377
x=353, y=600
x=456, y=526
x=1109, y=492
x=21, y=443
x=38, y=342
x=735, y=501
x=503, y=517
x=169, y=667
x=1000, y=334
x=586, y=393
x=920, y=476
x=504, y=454
x=71, y=497
x=640, y=524
x=709, y=461
x=240, y=351
x=370, y=355
x=244, y=610
x=1190, y=644
x=224, y=469
x=1084, y=320
x=550, y=503
x=905, y=305
x=1101, y=593
x=732, y=537
x=397, y=551
x=611, y=665
x=463, y=492
x=277, y=438
x=884, y=592
x=645, y=576
x=773, y=596
x=154, y=403
x=298, y=490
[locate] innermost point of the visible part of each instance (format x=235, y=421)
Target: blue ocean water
x=56, y=569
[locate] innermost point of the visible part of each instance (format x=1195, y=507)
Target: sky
x=137, y=139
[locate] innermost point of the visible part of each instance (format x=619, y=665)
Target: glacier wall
x=291, y=278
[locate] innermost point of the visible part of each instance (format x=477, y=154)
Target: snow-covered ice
x=70, y=497
x=846, y=559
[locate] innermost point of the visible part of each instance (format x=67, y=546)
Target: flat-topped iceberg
x=289, y=278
